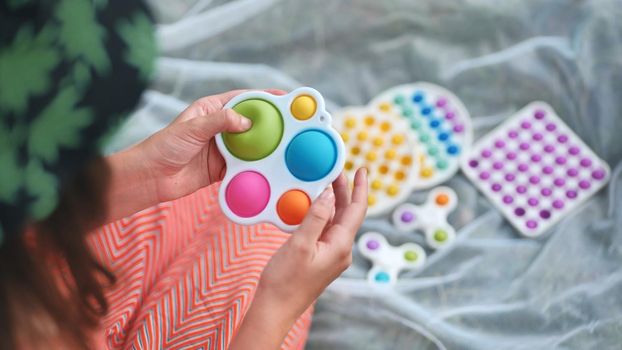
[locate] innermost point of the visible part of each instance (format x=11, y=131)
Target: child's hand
x=183, y=157
x=175, y=161
x=315, y=255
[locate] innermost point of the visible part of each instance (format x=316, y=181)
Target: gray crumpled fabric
x=492, y=289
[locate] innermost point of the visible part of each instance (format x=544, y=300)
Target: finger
x=206, y=105
x=342, y=194
x=316, y=219
x=277, y=92
x=359, y=193
x=210, y=104
x=202, y=129
x=347, y=224
x=215, y=162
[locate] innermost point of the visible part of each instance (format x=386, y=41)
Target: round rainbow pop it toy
x=430, y=217
x=439, y=120
x=283, y=162
x=388, y=260
x=383, y=144
x=409, y=137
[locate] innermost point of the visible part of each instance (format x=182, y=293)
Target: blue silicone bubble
x=382, y=277
x=453, y=150
x=311, y=155
x=418, y=97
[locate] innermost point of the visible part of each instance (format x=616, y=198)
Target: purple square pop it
x=535, y=169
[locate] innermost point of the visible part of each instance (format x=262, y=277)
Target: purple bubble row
x=597, y=174
x=545, y=191
x=449, y=114
x=548, y=148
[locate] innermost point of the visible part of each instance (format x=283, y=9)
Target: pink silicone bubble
x=532, y=224
x=442, y=102
x=247, y=194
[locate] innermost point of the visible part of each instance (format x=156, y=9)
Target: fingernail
x=327, y=194
x=245, y=122
x=364, y=174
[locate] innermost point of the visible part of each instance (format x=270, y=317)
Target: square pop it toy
x=409, y=137
x=283, y=162
x=535, y=169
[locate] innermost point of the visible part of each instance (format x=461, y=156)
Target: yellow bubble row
x=426, y=170
x=351, y=123
x=389, y=154
x=360, y=132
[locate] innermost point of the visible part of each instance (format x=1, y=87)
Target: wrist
x=132, y=186
x=265, y=324
x=277, y=309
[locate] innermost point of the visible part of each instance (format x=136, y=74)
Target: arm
x=315, y=255
x=183, y=158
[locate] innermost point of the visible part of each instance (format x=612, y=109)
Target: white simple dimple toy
x=283, y=162
x=388, y=260
x=535, y=169
x=409, y=137
x=430, y=217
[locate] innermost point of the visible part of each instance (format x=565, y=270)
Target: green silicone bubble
x=440, y=235
x=410, y=256
x=432, y=150
x=262, y=138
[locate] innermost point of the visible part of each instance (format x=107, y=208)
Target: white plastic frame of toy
x=273, y=167
x=388, y=260
x=430, y=217
x=461, y=120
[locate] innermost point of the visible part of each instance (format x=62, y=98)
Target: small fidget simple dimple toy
x=430, y=217
x=409, y=137
x=535, y=169
x=283, y=162
x=387, y=260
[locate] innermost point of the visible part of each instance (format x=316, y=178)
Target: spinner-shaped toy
x=283, y=162
x=388, y=260
x=409, y=137
x=429, y=217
